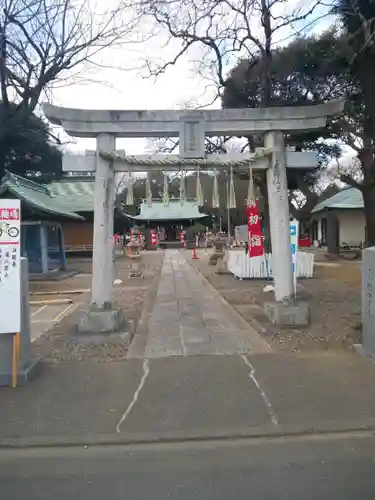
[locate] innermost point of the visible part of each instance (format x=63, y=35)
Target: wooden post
x=44, y=248
x=62, y=247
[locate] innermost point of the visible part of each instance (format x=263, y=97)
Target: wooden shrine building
x=170, y=219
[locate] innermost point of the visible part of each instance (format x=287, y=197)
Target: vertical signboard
x=254, y=227
x=294, y=244
x=10, y=275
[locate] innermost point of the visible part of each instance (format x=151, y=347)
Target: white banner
x=10, y=276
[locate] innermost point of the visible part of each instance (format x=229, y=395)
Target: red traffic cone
x=195, y=256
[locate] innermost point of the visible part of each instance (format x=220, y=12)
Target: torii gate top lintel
x=167, y=123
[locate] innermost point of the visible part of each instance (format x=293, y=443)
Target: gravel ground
x=347, y=272
x=335, y=307
x=80, y=280
x=57, y=345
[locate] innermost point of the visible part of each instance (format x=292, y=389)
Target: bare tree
x=42, y=41
x=227, y=31
x=347, y=169
x=229, y=28
x=123, y=180
x=162, y=145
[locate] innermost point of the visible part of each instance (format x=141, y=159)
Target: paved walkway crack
x=146, y=371
x=264, y=396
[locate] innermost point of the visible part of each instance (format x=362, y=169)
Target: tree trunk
x=333, y=233
x=366, y=157
x=2, y=161
x=366, y=76
x=369, y=208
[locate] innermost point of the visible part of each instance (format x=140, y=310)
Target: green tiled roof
x=347, y=198
x=174, y=211
x=78, y=194
x=37, y=196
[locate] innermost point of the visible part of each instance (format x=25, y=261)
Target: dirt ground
x=335, y=300
x=131, y=296
x=348, y=272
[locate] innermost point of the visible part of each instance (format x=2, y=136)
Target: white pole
x=228, y=209
x=279, y=219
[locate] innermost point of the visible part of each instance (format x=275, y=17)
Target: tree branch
x=40, y=40
x=347, y=179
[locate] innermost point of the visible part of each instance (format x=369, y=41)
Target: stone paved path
x=190, y=318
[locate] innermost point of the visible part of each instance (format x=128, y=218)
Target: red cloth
x=153, y=237
x=304, y=242
x=254, y=227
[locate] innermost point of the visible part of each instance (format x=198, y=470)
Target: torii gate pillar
x=102, y=317
x=279, y=218
x=102, y=273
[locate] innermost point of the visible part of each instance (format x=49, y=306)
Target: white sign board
x=294, y=231
x=10, y=276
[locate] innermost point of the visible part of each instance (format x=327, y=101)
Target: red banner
x=254, y=227
x=154, y=239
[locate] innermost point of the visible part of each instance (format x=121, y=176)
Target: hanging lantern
x=182, y=188
x=166, y=191
x=130, y=192
x=148, y=192
x=251, y=192
x=232, y=192
x=215, y=194
x=199, y=192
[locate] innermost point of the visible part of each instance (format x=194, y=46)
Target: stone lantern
x=134, y=253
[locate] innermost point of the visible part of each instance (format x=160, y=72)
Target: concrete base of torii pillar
x=108, y=323
x=294, y=313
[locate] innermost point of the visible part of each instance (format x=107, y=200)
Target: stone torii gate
x=191, y=127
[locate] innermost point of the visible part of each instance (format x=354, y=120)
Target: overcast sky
x=129, y=88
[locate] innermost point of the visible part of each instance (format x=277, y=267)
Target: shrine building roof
x=173, y=211
x=37, y=196
x=347, y=198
